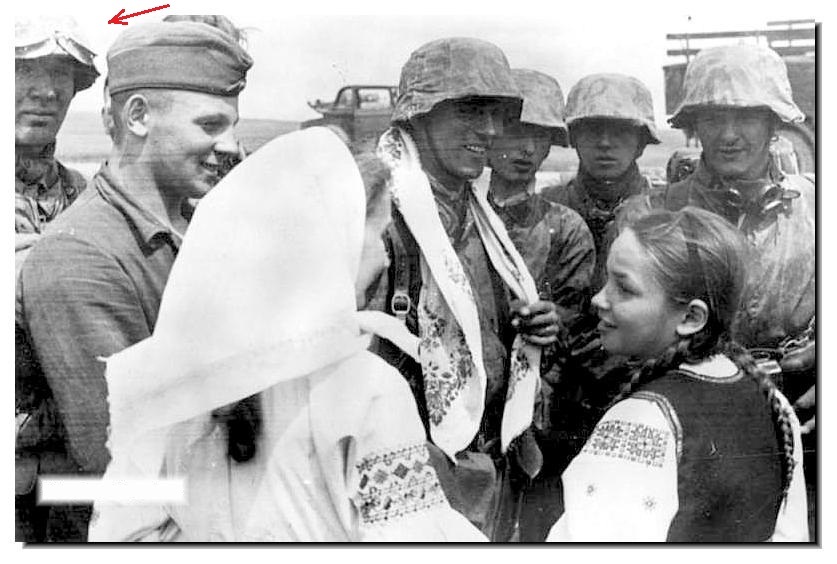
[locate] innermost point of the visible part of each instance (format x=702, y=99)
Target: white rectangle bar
x=70, y=489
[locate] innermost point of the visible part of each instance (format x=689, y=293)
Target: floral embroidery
x=396, y=483
x=445, y=373
x=630, y=441
x=519, y=367
x=649, y=503
x=457, y=275
x=591, y=489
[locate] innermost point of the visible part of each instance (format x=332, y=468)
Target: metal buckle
x=400, y=304
x=766, y=362
x=769, y=367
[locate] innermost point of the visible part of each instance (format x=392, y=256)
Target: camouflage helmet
x=612, y=96
x=543, y=102
x=47, y=36
x=450, y=69
x=736, y=76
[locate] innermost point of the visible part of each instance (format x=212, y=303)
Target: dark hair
x=697, y=254
x=243, y=419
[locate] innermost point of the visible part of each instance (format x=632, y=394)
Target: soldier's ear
x=136, y=115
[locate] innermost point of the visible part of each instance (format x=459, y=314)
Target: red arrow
x=117, y=19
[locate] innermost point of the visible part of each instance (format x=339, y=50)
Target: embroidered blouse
x=651, y=472
x=328, y=469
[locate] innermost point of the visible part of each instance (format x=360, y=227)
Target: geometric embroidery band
x=629, y=441
x=397, y=483
x=668, y=412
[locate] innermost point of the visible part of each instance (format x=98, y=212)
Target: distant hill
x=82, y=139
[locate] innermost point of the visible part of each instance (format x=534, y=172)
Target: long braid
x=243, y=422
x=780, y=412
x=656, y=367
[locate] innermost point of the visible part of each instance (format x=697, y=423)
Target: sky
x=302, y=56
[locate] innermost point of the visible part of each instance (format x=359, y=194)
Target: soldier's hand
x=538, y=323
x=805, y=403
x=809, y=426
x=806, y=400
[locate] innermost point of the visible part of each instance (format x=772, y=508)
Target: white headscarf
x=262, y=291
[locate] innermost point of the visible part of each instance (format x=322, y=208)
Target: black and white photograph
x=518, y=273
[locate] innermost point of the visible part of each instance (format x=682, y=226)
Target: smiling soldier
x=735, y=98
x=458, y=282
x=92, y=285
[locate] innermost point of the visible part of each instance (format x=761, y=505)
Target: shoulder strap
x=400, y=302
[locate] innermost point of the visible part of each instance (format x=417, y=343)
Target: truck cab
x=362, y=112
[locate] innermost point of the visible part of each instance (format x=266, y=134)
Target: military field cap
x=613, y=96
x=543, y=102
x=183, y=55
x=736, y=76
x=450, y=69
x=51, y=36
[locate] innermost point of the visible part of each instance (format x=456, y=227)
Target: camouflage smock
x=555, y=244
x=43, y=189
x=780, y=298
x=604, y=219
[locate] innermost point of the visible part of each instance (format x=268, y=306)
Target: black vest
x=729, y=472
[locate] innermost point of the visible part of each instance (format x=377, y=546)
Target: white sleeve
x=372, y=448
x=396, y=490
x=792, y=521
x=622, y=487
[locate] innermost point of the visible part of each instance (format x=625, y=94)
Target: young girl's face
x=636, y=317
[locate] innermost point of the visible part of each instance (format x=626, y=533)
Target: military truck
x=361, y=112
x=795, y=42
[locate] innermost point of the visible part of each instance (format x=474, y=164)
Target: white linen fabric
x=261, y=300
x=450, y=348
